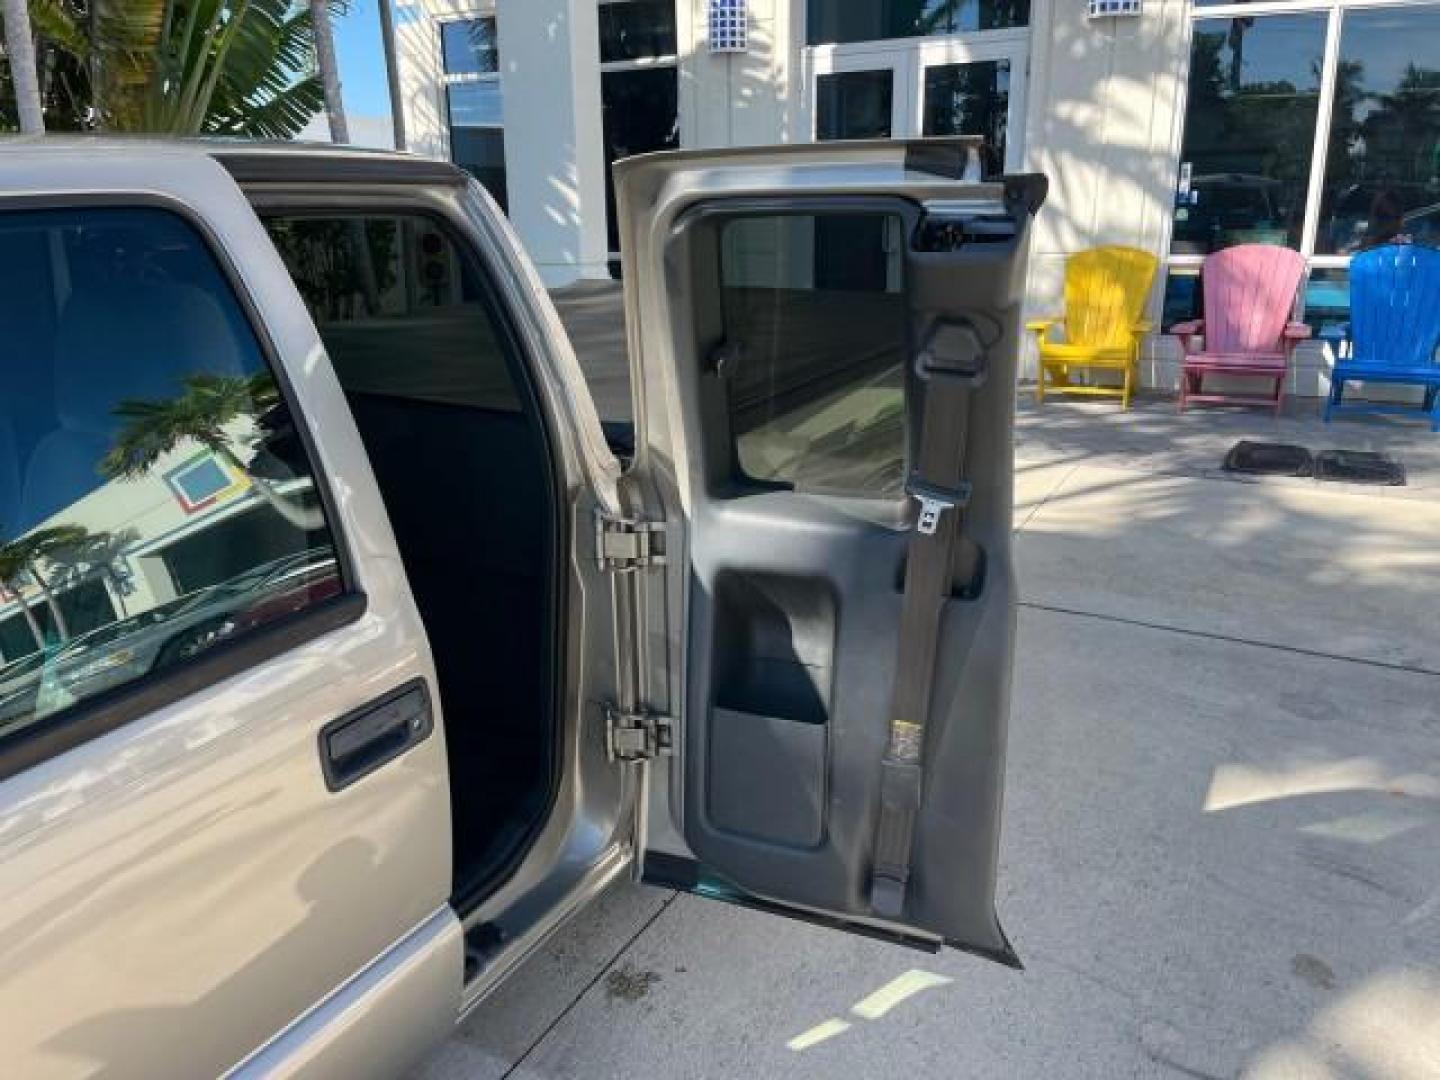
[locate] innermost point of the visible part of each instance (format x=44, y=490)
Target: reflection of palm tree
x=208, y=405
x=13, y=569
x=21, y=558
x=99, y=552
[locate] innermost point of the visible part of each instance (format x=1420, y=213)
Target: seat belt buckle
x=934, y=500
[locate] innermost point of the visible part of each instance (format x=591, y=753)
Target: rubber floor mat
x=1359, y=467
x=1269, y=459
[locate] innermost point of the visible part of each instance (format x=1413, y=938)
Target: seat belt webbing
x=938, y=483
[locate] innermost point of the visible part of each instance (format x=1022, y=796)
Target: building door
x=962, y=85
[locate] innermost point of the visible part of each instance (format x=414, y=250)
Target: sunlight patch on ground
x=871, y=1007
x=1243, y=785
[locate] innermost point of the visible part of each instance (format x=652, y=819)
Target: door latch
x=623, y=544
x=637, y=736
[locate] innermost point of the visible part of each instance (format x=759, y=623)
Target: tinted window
x=868, y=20
x=401, y=313
x=1381, y=179
x=815, y=321
x=470, y=47
x=155, y=498
x=636, y=29
x=641, y=115
x=854, y=104
x=970, y=99
x=1249, y=131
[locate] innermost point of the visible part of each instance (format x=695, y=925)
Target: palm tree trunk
x=392, y=73
x=329, y=70
x=61, y=625
x=33, y=623
x=20, y=52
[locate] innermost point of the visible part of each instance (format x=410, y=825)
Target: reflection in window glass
x=470, y=47
x=641, y=114
x=477, y=134
x=155, y=498
x=382, y=287
x=970, y=99
x=1327, y=303
x=816, y=393
x=637, y=29
x=1249, y=131
x=838, y=21
x=1183, y=297
x=1382, y=173
x=854, y=104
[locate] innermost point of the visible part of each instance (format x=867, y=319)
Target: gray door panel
x=784, y=432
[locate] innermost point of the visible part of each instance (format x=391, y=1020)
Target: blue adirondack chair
x=1394, y=328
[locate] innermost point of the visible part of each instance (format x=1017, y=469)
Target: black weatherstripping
x=305, y=166
x=356, y=744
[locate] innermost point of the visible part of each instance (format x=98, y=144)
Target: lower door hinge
x=623, y=544
x=637, y=736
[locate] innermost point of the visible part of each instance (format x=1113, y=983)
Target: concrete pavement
x=1222, y=844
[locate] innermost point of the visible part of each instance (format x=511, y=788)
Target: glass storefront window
x=854, y=104
x=1382, y=172
x=1183, y=298
x=640, y=107
x=840, y=21
x=970, y=99
x=1327, y=302
x=636, y=30
x=477, y=134
x=1249, y=131
x=469, y=47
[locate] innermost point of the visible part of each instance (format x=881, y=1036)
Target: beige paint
x=175, y=892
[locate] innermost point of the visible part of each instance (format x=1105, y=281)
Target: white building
x=1188, y=126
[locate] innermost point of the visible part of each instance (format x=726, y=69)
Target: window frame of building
x=482, y=12
x=660, y=62
x=908, y=59
x=1187, y=264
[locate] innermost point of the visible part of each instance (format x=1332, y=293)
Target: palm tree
x=13, y=568
x=20, y=54
x=97, y=553
x=21, y=558
x=329, y=69
x=202, y=413
x=184, y=67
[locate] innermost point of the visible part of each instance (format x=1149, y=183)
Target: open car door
x=824, y=339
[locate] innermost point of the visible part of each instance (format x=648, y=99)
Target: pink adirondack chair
x=1249, y=297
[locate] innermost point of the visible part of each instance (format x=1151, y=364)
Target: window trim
x=448, y=79
x=93, y=717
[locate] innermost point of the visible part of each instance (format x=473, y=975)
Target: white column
x=554, y=154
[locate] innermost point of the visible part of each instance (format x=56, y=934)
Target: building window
x=836, y=22
x=470, y=54
x=1315, y=126
x=639, y=91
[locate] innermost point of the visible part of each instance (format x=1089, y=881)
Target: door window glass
x=386, y=287
x=970, y=99
x=1382, y=172
x=1249, y=131
x=816, y=385
x=839, y=21
x=854, y=104
x=156, y=501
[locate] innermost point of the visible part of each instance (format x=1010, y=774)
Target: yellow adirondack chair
x=1105, y=291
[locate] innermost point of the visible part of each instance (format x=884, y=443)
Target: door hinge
x=637, y=736
x=623, y=544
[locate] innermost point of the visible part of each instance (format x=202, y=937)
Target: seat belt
x=950, y=365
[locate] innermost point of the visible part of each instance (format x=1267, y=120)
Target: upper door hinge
x=623, y=544
x=637, y=736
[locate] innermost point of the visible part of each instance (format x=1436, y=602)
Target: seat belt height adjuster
x=935, y=500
